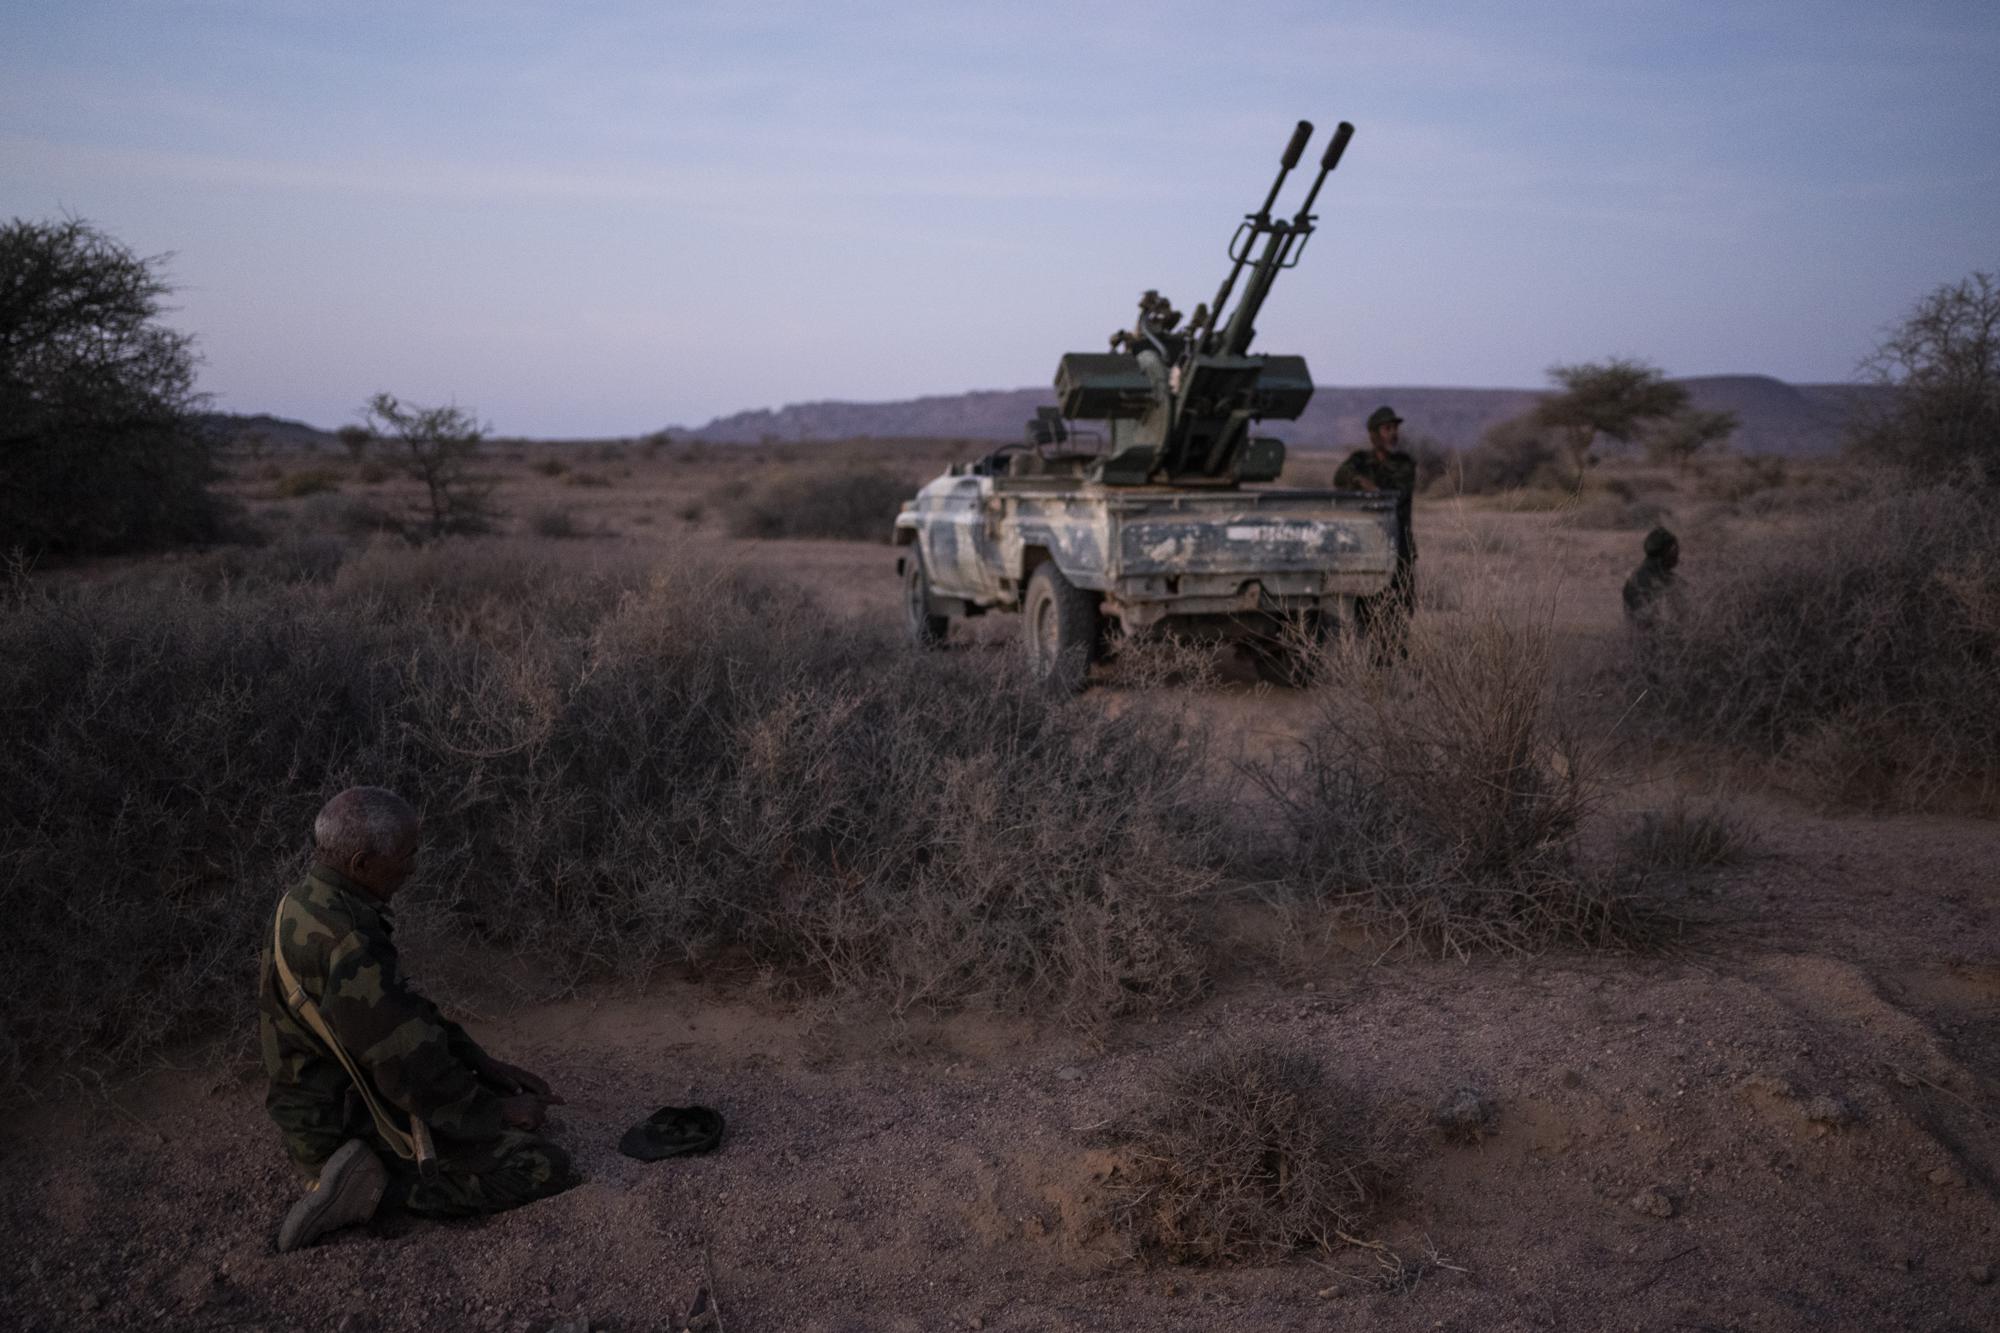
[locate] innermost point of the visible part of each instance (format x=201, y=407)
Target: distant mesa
x=1777, y=418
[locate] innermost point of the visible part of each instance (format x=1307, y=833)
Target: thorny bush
x=1245, y=1155
x=1437, y=797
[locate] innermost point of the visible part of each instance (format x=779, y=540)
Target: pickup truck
x=1173, y=522
x=1019, y=531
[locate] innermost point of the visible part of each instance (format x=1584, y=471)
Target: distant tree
x=1943, y=365
x=1613, y=400
x=101, y=443
x=1686, y=433
x=439, y=445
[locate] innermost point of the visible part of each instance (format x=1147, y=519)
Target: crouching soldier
x=378, y=1096
x=1652, y=583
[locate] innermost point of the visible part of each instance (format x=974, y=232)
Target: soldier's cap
x=673, y=1131
x=1383, y=416
x=1659, y=541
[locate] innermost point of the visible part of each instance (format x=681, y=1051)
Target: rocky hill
x=263, y=430
x=1777, y=418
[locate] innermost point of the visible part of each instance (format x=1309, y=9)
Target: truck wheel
x=926, y=630
x=1061, y=624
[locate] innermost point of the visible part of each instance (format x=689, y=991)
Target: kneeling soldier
x=378, y=1095
x=1652, y=583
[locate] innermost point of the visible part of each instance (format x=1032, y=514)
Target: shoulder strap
x=413, y=1144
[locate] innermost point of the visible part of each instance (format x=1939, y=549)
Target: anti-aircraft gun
x=1163, y=523
x=1180, y=402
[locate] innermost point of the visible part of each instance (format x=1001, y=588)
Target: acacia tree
x=438, y=446
x=1614, y=399
x=1942, y=365
x=1686, y=433
x=101, y=443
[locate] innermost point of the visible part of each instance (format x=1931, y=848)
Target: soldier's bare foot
x=349, y=1187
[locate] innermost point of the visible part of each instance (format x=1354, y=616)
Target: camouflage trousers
x=472, y=1178
x=477, y=1178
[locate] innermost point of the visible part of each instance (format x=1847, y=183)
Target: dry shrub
x=554, y=522
x=1163, y=660
x=351, y=516
x=1861, y=649
x=1737, y=479
x=1246, y=1155
x=846, y=505
x=306, y=481
x=549, y=467
x=1515, y=454
x=618, y=770
x=1440, y=589
x=1437, y=798
x=1609, y=513
x=292, y=558
x=1686, y=837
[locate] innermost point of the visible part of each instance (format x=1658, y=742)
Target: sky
x=590, y=219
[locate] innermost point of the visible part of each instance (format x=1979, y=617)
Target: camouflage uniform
x=1653, y=580
x=1397, y=474
x=337, y=943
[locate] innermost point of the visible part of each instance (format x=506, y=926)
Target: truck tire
x=926, y=630
x=1060, y=625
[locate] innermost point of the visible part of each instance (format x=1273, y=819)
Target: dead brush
x=1247, y=1155
x=1437, y=798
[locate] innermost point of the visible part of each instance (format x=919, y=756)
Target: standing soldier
x=1384, y=467
x=376, y=1093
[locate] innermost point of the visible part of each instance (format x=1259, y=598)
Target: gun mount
x=1181, y=401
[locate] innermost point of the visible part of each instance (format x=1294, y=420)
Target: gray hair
x=370, y=820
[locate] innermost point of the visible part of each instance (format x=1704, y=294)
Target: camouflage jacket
x=337, y=943
x=1649, y=583
x=1396, y=473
